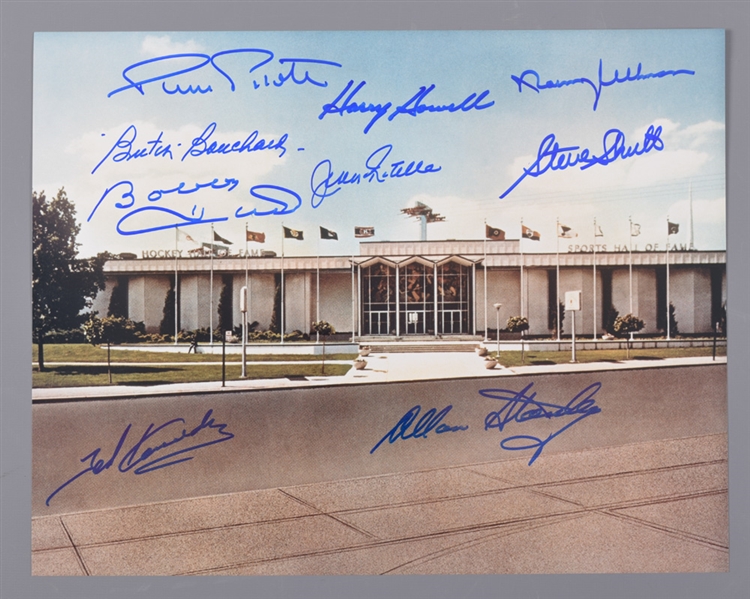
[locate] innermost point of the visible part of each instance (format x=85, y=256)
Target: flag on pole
x=494, y=233
x=364, y=231
x=328, y=234
x=292, y=234
x=672, y=228
x=598, y=231
x=527, y=233
x=218, y=237
x=566, y=232
x=635, y=230
x=253, y=236
x=182, y=236
x=218, y=250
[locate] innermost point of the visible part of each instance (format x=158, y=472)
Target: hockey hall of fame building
x=429, y=288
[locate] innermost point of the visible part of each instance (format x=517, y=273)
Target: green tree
x=226, y=311
x=166, y=326
x=519, y=324
x=624, y=326
x=118, y=301
x=62, y=285
x=673, y=330
x=324, y=329
x=276, y=314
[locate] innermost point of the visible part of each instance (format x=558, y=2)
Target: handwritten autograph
x=190, y=62
x=273, y=199
x=143, y=457
x=324, y=183
x=414, y=106
x=537, y=85
x=431, y=420
x=551, y=156
x=522, y=406
x=127, y=148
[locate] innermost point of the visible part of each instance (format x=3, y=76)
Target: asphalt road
x=277, y=438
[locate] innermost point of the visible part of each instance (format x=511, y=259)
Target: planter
x=505, y=336
x=360, y=364
x=482, y=351
x=490, y=364
x=365, y=351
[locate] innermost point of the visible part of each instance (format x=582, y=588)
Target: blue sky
x=477, y=154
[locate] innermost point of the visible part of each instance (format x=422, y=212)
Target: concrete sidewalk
x=658, y=506
x=381, y=368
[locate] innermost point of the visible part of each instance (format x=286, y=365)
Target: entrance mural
x=429, y=295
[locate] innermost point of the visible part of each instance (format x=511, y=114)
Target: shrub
x=113, y=329
x=610, y=316
x=323, y=328
x=624, y=325
x=68, y=336
x=673, y=330
x=517, y=324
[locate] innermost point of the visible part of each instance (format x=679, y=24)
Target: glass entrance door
x=379, y=300
x=415, y=322
x=452, y=322
x=379, y=323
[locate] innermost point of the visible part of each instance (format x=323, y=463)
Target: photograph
x=379, y=302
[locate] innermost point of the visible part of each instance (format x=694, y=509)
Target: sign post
x=573, y=305
x=243, y=309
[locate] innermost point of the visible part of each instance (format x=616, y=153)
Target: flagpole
x=630, y=264
x=176, y=313
x=557, y=279
x=668, y=323
x=211, y=292
x=317, y=294
x=486, y=337
x=520, y=249
x=595, y=278
x=691, y=247
x=354, y=299
x=282, y=282
x=247, y=286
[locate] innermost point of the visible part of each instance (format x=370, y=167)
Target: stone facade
x=697, y=287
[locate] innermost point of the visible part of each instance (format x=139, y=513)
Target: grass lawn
x=84, y=352
x=513, y=358
x=94, y=375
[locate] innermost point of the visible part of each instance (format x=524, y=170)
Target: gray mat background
x=18, y=21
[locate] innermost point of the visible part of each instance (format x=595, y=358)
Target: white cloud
x=153, y=45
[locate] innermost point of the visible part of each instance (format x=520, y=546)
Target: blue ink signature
x=281, y=204
x=142, y=458
x=154, y=147
x=285, y=201
x=123, y=149
x=184, y=220
x=537, y=85
x=412, y=107
x=261, y=57
x=551, y=156
x=521, y=406
x=430, y=420
x=324, y=184
x=201, y=147
x=158, y=194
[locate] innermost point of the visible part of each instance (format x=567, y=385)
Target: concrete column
x=538, y=282
x=146, y=296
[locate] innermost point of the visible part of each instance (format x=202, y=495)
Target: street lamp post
x=497, y=325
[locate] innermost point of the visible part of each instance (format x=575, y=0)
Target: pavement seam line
x=351, y=548
x=552, y=520
x=330, y=515
x=79, y=557
x=521, y=487
x=673, y=532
